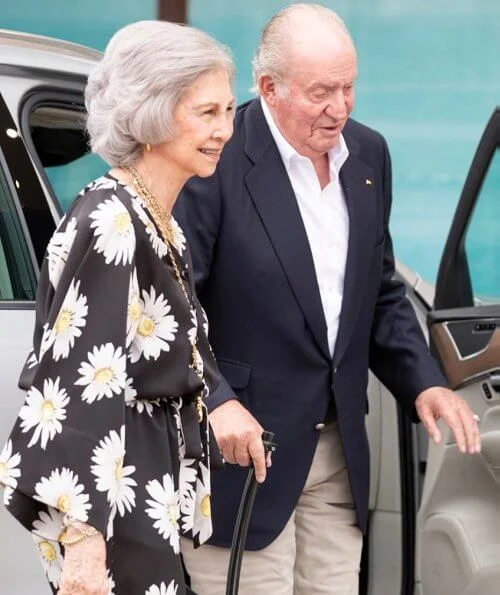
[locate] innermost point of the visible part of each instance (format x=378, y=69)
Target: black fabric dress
x=109, y=431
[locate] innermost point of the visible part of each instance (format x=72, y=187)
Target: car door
x=44, y=162
x=458, y=537
x=21, y=200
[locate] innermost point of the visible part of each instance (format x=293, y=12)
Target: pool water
x=429, y=78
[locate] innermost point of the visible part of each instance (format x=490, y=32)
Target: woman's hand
x=84, y=570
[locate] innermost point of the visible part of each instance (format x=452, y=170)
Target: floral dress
x=109, y=431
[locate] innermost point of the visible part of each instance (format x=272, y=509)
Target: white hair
x=271, y=55
x=133, y=91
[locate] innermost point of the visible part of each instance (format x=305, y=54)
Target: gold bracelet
x=83, y=533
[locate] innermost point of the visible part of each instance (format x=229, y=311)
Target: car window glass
x=482, y=243
x=15, y=281
x=58, y=135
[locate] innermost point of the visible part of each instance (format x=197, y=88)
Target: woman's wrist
x=75, y=532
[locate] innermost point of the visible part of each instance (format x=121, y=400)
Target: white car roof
x=38, y=51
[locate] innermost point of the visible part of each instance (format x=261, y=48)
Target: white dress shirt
x=325, y=217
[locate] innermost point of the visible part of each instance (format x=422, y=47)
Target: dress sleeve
x=218, y=388
x=69, y=438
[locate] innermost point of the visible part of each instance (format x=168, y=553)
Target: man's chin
x=326, y=145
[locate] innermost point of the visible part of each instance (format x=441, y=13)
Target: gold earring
x=148, y=147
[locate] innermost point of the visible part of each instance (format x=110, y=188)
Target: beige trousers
x=318, y=552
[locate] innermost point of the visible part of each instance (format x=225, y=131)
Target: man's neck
x=322, y=169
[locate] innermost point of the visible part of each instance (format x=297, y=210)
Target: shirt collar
x=337, y=155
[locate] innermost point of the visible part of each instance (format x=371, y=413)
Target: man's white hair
x=271, y=56
x=133, y=91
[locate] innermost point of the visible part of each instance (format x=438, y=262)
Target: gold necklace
x=161, y=215
x=164, y=221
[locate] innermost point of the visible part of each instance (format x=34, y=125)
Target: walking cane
x=242, y=521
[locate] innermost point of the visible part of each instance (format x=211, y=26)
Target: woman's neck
x=158, y=177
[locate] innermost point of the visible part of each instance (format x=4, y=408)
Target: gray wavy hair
x=132, y=92
x=271, y=55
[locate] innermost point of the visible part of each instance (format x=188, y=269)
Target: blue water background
x=429, y=78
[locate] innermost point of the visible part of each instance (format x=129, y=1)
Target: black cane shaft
x=243, y=520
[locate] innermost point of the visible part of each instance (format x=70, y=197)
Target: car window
x=57, y=132
x=482, y=239
x=16, y=282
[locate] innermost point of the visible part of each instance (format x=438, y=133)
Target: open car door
x=458, y=537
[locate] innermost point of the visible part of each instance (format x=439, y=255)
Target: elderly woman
x=109, y=458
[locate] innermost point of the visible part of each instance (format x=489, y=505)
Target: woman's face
x=203, y=121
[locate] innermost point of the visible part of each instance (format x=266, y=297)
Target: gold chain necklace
x=163, y=219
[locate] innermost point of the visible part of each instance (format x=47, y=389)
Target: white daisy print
x=112, y=477
x=159, y=246
x=111, y=584
x=178, y=236
x=70, y=320
x=156, y=328
x=164, y=509
x=162, y=589
x=58, y=250
x=9, y=471
x=139, y=404
x=202, y=526
x=134, y=307
x=205, y=321
x=47, y=340
x=193, y=331
x=102, y=183
x=104, y=375
x=130, y=392
x=49, y=524
x=32, y=360
x=187, y=494
x=157, y=242
x=114, y=230
x=46, y=531
x=62, y=491
x=188, y=506
x=44, y=411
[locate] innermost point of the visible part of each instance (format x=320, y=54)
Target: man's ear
x=267, y=89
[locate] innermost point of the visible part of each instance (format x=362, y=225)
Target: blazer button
x=319, y=426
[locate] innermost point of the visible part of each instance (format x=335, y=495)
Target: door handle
x=495, y=381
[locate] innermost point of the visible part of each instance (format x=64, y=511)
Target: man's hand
x=441, y=403
x=239, y=436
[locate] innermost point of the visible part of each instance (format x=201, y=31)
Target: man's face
x=312, y=105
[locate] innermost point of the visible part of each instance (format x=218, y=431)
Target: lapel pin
x=368, y=182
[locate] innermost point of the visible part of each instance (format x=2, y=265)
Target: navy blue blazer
x=256, y=280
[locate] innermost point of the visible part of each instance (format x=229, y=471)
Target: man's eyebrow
x=316, y=86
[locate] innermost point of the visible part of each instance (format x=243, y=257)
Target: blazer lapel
x=358, y=184
x=273, y=197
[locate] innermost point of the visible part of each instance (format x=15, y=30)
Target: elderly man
x=294, y=266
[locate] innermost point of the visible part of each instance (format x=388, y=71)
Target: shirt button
x=319, y=426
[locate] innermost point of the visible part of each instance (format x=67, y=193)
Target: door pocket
x=459, y=366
